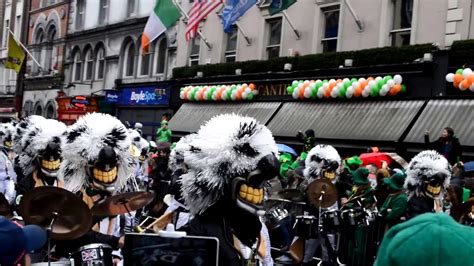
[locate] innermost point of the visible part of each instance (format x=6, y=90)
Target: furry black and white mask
x=229, y=158
x=22, y=129
x=323, y=161
x=6, y=135
x=428, y=174
x=140, y=143
x=96, y=154
x=41, y=147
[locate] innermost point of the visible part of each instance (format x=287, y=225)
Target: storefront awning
x=438, y=114
x=191, y=116
x=374, y=121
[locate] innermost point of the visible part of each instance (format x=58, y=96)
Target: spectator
x=163, y=134
x=394, y=208
x=138, y=127
x=447, y=145
x=429, y=239
x=16, y=242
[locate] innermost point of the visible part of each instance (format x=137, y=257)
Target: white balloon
x=295, y=94
x=385, y=88
x=383, y=92
x=365, y=94
x=450, y=77
x=390, y=83
x=367, y=88
x=248, y=90
x=244, y=95
x=322, y=90
x=461, y=87
x=318, y=80
x=348, y=94
x=214, y=97
x=345, y=80
x=332, y=80
x=355, y=85
x=372, y=83
x=335, y=90
x=307, y=90
x=299, y=86
x=361, y=80
x=472, y=88
x=233, y=97
x=312, y=85
x=466, y=72
x=350, y=89
x=398, y=79
x=325, y=85
x=255, y=92
x=378, y=78
x=333, y=94
x=244, y=85
x=320, y=94
x=307, y=94
x=239, y=86
x=340, y=85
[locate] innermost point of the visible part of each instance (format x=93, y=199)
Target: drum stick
x=164, y=219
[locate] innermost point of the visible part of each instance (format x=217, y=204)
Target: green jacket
x=163, y=135
x=397, y=203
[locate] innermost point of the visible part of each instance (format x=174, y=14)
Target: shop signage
x=145, y=96
x=79, y=101
x=273, y=89
x=112, y=96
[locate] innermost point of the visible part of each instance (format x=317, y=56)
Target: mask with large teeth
x=248, y=192
x=433, y=185
x=103, y=172
x=323, y=161
x=50, y=159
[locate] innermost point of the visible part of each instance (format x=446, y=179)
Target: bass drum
x=93, y=255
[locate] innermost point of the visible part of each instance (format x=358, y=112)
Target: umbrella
x=376, y=158
x=287, y=149
x=469, y=166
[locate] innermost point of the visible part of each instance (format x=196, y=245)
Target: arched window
x=28, y=108
x=77, y=66
x=50, y=53
x=100, y=63
x=39, y=53
x=131, y=5
x=38, y=109
x=88, y=64
x=50, y=112
x=129, y=60
x=160, y=56
x=144, y=61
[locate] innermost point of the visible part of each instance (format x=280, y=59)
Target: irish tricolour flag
x=164, y=15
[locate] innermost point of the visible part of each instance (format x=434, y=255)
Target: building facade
x=327, y=26
x=11, y=18
x=47, y=28
x=103, y=53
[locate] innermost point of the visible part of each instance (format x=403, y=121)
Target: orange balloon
x=238, y=96
x=465, y=83
x=358, y=91
x=364, y=83
x=395, y=89
x=339, y=81
x=306, y=83
x=252, y=86
x=301, y=93
x=370, y=78
x=456, y=84
x=470, y=78
x=458, y=78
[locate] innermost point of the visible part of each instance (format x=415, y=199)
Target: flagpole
x=209, y=46
x=26, y=50
x=247, y=39
x=297, y=33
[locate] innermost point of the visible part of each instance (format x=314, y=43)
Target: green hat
x=352, y=163
x=285, y=158
x=361, y=176
x=428, y=239
x=396, y=181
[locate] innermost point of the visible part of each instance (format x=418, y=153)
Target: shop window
x=195, y=49
x=402, y=16
x=129, y=60
x=274, y=38
x=80, y=12
x=88, y=65
x=231, y=45
x=331, y=28
x=77, y=67
x=160, y=53
x=100, y=64
x=103, y=7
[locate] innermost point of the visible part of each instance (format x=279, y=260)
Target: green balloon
x=250, y=96
x=325, y=81
x=319, y=84
x=233, y=87
x=314, y=93
x=374, y=93
x=403, y=89
x=347, y=84
x=294, y=83
x=459, y=71
x=353, y=80
x=289, y=89
x=209, y=96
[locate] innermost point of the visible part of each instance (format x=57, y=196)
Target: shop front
x=71, y=108
x=145, y=104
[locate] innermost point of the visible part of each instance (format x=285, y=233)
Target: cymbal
x=72, y=218
x=326, y=189
x=123, y=203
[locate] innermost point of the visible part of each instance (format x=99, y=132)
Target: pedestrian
x=394, y=208
x=163, y=134
x=447, y=145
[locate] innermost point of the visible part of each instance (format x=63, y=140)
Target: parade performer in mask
x=427, y=181
x=7, y=173
x=228, y=161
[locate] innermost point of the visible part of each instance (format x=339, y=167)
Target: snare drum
x=306, y=226
x=331, y=220
x=353, y=217
x=93, y=254
x=274, y=216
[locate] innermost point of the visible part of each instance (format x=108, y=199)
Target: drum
x=353, y=217
x=274, y=216
x=306, y=226
x=93, y=254
x=331, y=220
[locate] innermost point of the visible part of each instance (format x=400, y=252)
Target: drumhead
x=94, y=246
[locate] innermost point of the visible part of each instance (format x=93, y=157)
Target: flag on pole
x=280, y=5
x=233, y=11
x=15, y=55
x=164, y=15
x=199, y=10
